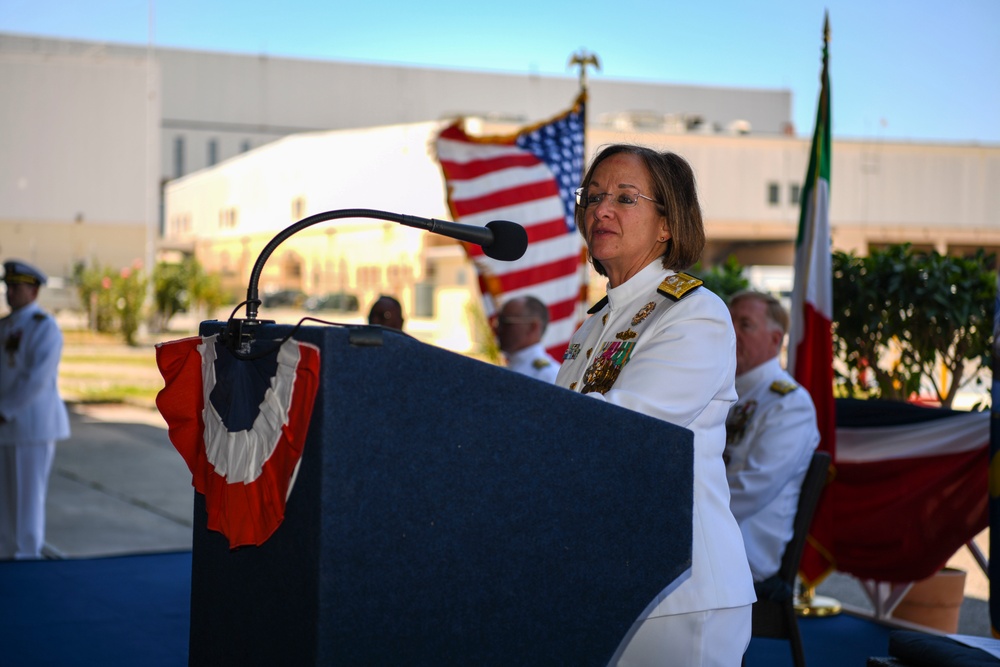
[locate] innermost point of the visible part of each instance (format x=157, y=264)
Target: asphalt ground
x=119, y=487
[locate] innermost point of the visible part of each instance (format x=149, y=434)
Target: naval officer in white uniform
x=520, y=326
x=663, y=345
x=771, y=435
x=32, y=414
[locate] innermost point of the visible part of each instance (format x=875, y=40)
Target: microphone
x=509, y=241
x=499, y=239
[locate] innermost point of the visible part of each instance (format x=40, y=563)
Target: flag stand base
x=816, y=606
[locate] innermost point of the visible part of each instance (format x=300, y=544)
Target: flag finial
x=582, y=58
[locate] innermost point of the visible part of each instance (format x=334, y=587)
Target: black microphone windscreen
x=509, y=241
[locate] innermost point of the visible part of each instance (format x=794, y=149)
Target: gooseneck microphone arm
x=499, y=239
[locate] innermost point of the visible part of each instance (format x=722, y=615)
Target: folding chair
x=776, y=619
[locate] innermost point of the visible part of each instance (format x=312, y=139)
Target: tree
x=96, y=298
x=206, y=290
x=170, y=292
x=177, y=287
x=724, y=279
x=113, y=299
x=902, y=317
x=130, y=292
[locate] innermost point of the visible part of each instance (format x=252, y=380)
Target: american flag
x=528, y=178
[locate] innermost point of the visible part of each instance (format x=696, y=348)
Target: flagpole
x=582, y=59
x=810, y=354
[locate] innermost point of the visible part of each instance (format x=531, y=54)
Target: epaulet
x=539, y=364
x=678, y=286
x=597, y=306
x=783, y=387
x=38, y=317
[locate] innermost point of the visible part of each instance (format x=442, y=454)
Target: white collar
x=644, y=282
x=747, y=381
x=531, y=352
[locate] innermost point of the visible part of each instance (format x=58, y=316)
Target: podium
x=448, y=512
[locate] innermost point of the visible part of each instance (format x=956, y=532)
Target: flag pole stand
x=807, y=603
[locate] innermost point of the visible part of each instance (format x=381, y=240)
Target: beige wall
x=57, y=247
x=79, y=148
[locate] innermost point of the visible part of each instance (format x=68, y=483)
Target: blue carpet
x=836, y=641
x=135, y=610
x=111, y=612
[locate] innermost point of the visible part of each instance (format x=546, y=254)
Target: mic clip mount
x=240, y=333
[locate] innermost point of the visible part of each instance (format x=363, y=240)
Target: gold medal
x=607, y=364
x=643, y=313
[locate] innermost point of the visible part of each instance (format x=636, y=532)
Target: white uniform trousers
x=24, y=481
x=714, y=638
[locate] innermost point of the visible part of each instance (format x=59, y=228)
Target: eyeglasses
x=516, y=320
x=622, y=199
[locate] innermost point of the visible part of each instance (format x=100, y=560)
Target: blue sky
x=916, y=71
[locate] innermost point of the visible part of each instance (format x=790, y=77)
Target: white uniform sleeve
x=786, y=430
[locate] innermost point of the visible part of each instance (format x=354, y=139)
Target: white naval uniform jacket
x=30, y=347
x=772, y=434
x=679, y=368
x=535, y=362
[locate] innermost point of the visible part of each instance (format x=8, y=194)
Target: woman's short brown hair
x=673, y=184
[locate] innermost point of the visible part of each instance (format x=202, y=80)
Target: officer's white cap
x=16, y=271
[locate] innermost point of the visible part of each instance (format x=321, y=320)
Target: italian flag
x=810, y=339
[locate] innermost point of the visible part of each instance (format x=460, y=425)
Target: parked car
x=340, y=301
x=287, y=298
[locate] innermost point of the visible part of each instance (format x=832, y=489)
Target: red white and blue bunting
x=245, y=474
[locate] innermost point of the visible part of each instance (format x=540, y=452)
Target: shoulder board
x=597, y=306
x=38, y=317
x=782, y=387
x=678, y=286
x=541, y=363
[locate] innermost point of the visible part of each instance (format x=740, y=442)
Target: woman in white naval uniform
x=664, y=346
x=32, y=415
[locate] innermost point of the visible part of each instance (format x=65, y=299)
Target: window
x=423, y=300
x=213, y=152
x=773, y=196
x=180, y=224
x=298, y=208
x=794, y=194
x=369, y=276
x=178, y=157
x=227, y=218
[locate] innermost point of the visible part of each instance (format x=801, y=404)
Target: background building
x=111, y=153
x=90, y=132
x=749, y=188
